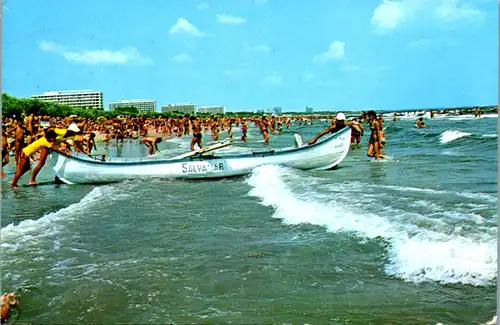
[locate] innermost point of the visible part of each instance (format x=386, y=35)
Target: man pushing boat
x=338, y=124
x=62, y=135
x=43, y=144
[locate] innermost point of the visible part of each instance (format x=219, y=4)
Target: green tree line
x=18, y=107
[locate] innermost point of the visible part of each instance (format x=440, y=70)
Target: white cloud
x=431, y=43
x=335, y=52
x=454, y=10
x=242, y=70
x=307, y=76
x=182, y=57
x=227, y=19
x=48, y=46
x=202, y=6
x=390, y=14
x=272, y=80
x=92, y=57
x=183, y=26
x=261, y=48
x=351, y=68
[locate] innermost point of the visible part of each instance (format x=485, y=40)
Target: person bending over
x=152, y=144
x=43, y=144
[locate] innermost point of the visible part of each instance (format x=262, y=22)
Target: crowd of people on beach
x=30, y=138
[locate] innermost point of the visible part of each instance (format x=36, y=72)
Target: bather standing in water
x=244, y=130
x=375, y=136
x=357, y=131
x=195, y=126
x=264, y=127
x=420, y=123
x=19, y=139
x=5, y=151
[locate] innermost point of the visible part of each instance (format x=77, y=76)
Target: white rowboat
x=323, y=155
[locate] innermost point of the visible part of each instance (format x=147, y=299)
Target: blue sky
x=252, y=54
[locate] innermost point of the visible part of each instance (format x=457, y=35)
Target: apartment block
x=142, y=105
x=74, y=98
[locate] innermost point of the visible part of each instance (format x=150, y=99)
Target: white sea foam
x=450, y=135
x=361, y=188
x=414, y=253
x=27, y=231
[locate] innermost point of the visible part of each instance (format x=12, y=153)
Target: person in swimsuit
x=43, y=155
x=264, y=125
x=420, y=123
x=357, y=131
x=337, y=124
x=375, y=136
x=280, y=127
x=43, y=144
x=185, y=122
x=230, y=128
x=9, y=300
x=19, y=139
x=90, y=143
x=195, y=125
x=214, y=127
x=152, y=144
x=382, y=134
x=5, y=151
x=79, y=142
x=244, y=129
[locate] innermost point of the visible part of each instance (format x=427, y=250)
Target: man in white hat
x=67, y=134
x=338, y=124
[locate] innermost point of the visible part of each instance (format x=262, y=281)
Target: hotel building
x=142, y=105
x=211, y=109
x=183, y=108
x=74, y=98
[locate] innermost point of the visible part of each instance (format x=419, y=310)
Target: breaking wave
x=436, y=249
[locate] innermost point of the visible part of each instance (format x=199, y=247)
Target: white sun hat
x=341, y=116
x=73, y=127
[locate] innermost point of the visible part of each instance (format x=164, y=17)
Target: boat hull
x=323, y=155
